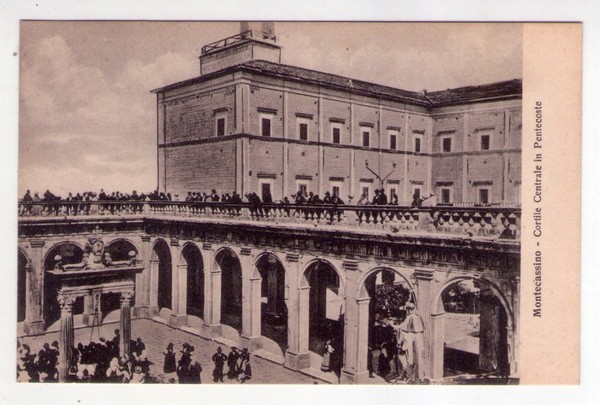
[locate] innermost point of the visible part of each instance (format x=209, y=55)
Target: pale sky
x=88, y=119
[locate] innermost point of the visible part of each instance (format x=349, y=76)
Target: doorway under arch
x=161, y=257
x=110, y=303
x=231, y=288
x=388, y=292
x=326, y=310
x=475, y=325
x=21, y=287
x=192, y=259
x=273, y=309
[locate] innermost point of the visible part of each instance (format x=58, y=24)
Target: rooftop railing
x=222, y=43
x=487, y=221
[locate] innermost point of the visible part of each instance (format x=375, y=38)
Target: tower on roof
x=255, y=41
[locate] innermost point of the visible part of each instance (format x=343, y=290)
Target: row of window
x=336, y=131
x=445, y=194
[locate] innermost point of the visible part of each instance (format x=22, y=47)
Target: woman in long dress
x=327, y=354
x=170, y=364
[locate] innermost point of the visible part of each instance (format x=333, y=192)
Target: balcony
x=475, y=221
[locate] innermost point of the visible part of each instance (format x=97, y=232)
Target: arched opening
x=69, y=253
x=110, y=303
x=388, y=292
x=21, y=287
x=273, y=310
x=120, y=250
x=192, y=258
x=475, y=325
x=161, y=257
x=231, y=289
x=326, y=312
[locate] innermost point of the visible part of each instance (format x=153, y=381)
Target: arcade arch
x=322, y=296
x=191, y=259
x=70, y=253
x=117, y=250
x=472, y=321
x=231, y=288
x=23, y=264
x=273, y=308
x=384, y=293
x=161, y=267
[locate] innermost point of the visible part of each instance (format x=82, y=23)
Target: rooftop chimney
x=256, y=41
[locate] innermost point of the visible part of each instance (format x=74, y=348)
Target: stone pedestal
x=212, y=331
x=32, y=328
x=125, y=324
x=67, y=336
x=296, y=361
x=177, y=320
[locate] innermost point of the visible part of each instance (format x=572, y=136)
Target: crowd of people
x=94, y=362
x=91, y=203
x=187, y=370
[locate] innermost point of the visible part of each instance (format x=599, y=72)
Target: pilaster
x=34, y=290
x=423, y=281
x=142, y=281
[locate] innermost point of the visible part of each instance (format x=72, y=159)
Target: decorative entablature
x=431, y=250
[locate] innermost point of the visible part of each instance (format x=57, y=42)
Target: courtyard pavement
x=157, y=336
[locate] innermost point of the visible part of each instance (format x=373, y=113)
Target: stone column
x=67, y=336
x=142, y=281
x=34, y=290
x=356, y=328
x=303, y=318
x=250, y=301
x=424, y=280
x=125, y=323
x=212, y=293
x=178, y=317
x=153, y=267
x=294, y=358
x=356, y=355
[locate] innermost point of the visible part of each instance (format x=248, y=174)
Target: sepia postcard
x=275, y=202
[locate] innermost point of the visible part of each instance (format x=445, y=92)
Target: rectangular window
x=484, y=196
x=336, y=134
x=416, y=192
x=393, y=138
x=220, y=126
x=417, y=144
x=485, y=142
x=446, y=195
x=366, y=136
x=365, y=192
x=393, y=196
x=220, y=123
x=335, y=191
x=447, y=144
x=302, y=187
x=303, y=129
x=265, y=126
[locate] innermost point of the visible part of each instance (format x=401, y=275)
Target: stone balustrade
x=490, y=221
